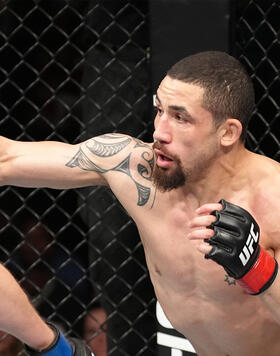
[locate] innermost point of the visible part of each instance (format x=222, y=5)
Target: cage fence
x=71, y=70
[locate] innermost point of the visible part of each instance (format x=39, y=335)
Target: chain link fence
x=257, y=46
x=71, y=70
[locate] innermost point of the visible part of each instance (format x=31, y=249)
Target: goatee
x=167, y=179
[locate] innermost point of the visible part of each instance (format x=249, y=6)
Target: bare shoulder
x=126, y=163
x=267, y=175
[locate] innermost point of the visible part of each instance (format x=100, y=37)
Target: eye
x=158, y=110
x=180, y=118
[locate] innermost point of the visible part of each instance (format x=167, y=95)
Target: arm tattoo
x=142, y=170
x=109, y=149
x=82, y=161
x=102, y=149
x=143, y=192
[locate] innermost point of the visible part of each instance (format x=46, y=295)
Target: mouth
x=163, y=160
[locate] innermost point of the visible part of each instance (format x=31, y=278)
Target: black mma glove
x=235, y=246
x=62, y=347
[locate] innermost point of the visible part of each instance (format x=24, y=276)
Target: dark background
x=71, y=70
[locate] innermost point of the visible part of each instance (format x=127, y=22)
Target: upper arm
x=125, y=162
x=122, y=162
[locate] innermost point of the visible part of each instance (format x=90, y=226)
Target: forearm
x=17, y=315
x=42, y=164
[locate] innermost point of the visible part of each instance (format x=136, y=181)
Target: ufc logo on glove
x=248, y=249
x=235, y=246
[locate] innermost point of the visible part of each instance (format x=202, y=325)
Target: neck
x=220, y=179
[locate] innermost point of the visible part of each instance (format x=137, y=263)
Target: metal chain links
x=71, y=70
x=257, y=46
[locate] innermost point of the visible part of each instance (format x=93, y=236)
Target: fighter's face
x=186, y=140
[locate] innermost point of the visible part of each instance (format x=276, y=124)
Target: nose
x=162, y=132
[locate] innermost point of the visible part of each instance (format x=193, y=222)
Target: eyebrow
x=178, y=108
x=181, y=109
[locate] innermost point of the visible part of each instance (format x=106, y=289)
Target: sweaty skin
x=199, y=299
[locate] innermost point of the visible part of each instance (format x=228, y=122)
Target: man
x=198, y=198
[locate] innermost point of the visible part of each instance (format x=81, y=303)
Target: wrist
x=261, y=275
x=59, y=346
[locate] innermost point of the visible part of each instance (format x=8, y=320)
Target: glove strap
x=261, y=275
x=60, y=346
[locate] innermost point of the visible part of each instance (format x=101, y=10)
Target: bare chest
x=174, y=261
x=198, y=297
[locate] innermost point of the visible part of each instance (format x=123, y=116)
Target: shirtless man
x=227, y=304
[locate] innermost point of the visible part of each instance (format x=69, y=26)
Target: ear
x=230, y=132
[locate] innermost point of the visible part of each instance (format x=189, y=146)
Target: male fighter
x=206, y=208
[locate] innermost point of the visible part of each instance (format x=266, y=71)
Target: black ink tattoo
x=104, y=149
x=142, y=170
x=143, y=192
x=123, y=166
x=82, y=161
x=229, y=280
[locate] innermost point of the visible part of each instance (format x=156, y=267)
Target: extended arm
x=56, y=164
x=41, y=164
x=120, y=161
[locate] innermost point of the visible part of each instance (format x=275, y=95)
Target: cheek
x=190, y=144
x=192, y=150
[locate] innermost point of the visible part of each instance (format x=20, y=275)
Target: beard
x=168, y=179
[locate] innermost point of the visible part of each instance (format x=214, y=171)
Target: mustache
x=157, y=145
x=160, y=147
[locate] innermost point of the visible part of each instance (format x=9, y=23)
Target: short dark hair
x=228, y=89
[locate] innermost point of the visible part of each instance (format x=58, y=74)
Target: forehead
x=172, y=91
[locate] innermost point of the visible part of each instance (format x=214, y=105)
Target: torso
x=200, y=301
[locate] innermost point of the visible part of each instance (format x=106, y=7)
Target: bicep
x=125, y=162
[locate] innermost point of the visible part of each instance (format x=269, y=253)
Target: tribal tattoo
x=108, y=149
x=102, y=149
